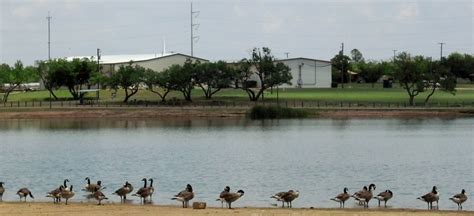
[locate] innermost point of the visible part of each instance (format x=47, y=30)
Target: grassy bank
x=358, y=93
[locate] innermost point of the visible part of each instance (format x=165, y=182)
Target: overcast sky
x=230, y=28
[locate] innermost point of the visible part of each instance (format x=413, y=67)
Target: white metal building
x=156, y=62
x=308, y=73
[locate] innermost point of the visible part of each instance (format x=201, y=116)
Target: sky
x=229, y=29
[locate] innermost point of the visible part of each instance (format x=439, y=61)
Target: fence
x=235, y=104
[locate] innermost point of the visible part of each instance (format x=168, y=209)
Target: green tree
x=212, y=77
x=78, y=75
x=409, y=72
x=357, y=56
x=263, y=66
x=460, y=65
x=128, y=78
x=181, y=77
x=341, y=62
x=47, y=77
x=12, y=77
x=158, y=83
x=439, y=77
x=371, y=72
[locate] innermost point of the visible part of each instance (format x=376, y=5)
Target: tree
x=356, y=56
x=47, y=76
x=409, y=72
x=156, y=81
x=128, y=78
x=371, y=72
x=340, y=62
x=212, y=77
x=78, y=75
x=439, y=77
x=181, y=78
x=12, y=77
x=269, y=73
x=460, y=65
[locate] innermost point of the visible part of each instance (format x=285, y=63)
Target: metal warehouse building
x=308, y=73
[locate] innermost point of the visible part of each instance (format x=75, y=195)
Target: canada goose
x=98, y=195
x=278, y=196
x=185, y=195
x=366, y=196
x=143, y=192
x=67, y=194
x=2, y=190
x=232, y=197
x=56, y=194
x=24, y=192
x=459, y=198
x=287, y=197
x=124, y=190
x=65, y=185
x=151, y=188
x=384, y=196
x=342, y=197
x=357, y=194
x=92, y=187
x=431, y=197
x=222, y=194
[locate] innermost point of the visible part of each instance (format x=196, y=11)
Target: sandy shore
x=196, y=112
x=15, y=208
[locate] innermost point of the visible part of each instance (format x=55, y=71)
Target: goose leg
x=385, y=203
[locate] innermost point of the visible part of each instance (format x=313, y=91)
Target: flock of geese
x=94, y=191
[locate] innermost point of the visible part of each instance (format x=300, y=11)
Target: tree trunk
x=412, y=100
x=52, y=93
x=128, y=95
x=7, y=92
x=431, y=94
x=373, y=84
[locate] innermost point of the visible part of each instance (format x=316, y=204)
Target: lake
x=318, y=157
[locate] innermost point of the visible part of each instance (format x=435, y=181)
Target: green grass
x=362, y=93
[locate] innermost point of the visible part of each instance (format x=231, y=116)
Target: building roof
x=303, y=58
x=116, y=59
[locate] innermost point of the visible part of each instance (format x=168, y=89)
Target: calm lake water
x=318, y=157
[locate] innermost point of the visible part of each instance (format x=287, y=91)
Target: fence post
x=302, y=103
x=18, y=103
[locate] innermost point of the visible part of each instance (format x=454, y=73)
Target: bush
x=275, y=112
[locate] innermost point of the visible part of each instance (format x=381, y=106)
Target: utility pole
x=342, y=65
x=287, y=54
x=394, y=54
x=441, y=54
x=49, y=51
x=49, y=35
x=192, y=28
x=98, y=70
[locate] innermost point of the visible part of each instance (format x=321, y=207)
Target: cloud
x=407, y=11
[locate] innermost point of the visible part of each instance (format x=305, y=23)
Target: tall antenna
x=49, y=35
x=441, y=53
x=193, y=25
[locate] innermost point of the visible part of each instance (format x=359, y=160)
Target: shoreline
x=76, y=208
x=198, y=112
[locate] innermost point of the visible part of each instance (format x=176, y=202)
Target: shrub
x=276, y=112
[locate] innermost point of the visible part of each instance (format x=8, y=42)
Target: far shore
x=199, y=112
x=89, y=209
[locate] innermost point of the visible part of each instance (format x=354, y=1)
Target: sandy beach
x=16, y=208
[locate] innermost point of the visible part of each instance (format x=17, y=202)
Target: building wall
x=314, y=74
x=158, y=64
